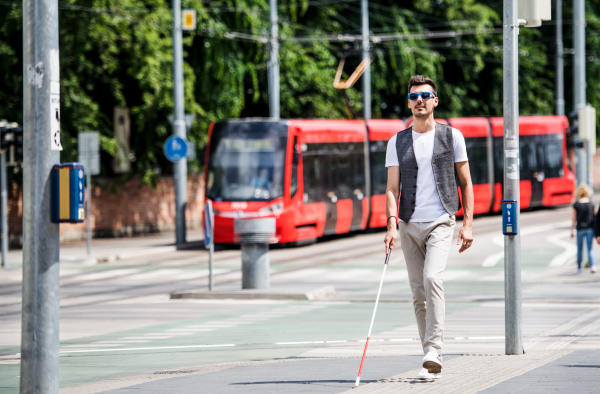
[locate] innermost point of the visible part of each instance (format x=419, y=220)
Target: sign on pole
x=176, y=148
x=189, y=20
x=209, y=241
x=208, y=224
x=88, y=147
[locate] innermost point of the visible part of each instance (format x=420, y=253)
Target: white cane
x=387, y=257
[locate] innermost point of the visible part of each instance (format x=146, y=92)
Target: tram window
x=554, y=160
x=378, y=168
x=478, y=164
x=528, y=162
x=358, y=172
x=541, y=162
x=498, y=159
x=313, y=182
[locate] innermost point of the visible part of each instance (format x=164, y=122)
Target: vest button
x=416, y=168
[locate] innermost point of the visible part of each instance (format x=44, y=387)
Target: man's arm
x=391, y=207
x=466, y=187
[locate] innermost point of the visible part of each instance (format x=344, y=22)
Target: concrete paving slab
x=576, y=373
x=465, y=374
x=321, y=376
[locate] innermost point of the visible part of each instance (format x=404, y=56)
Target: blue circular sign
x=176, y=148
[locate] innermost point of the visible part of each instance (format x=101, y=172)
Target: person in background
x=583, y=220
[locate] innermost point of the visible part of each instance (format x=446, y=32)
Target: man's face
x=421, y=108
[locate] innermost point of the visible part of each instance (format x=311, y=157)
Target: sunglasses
x=425, y=96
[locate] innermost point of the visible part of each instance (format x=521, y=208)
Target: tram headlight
x=274, y=208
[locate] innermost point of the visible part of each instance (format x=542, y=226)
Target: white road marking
x=570, y=249
x=498, y=240
x=146, y=348
x=118, y=341
x=211, y=326
x=106, y=274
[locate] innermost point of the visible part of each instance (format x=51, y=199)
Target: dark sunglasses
x=425, y=96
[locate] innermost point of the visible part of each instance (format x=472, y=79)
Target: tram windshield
x=246, y=161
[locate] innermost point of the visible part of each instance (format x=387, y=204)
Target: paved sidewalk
x=106, y=250
x=557, y=371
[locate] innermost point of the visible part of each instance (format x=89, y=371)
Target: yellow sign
x=189, y=20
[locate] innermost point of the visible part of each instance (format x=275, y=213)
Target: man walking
x=426, y=159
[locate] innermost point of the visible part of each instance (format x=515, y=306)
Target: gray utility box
x=254, y=236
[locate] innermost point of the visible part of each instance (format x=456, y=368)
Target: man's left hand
x=466, y=237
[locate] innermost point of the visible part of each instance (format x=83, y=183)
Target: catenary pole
x=89, y=194
x=512, y=243
x=579, y=98
x=366, y=45
x=40, y=304
x=560, y=76
x=273, y=66
x=179, y=168
x=4, y=208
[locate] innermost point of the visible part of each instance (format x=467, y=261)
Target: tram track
x=133, y=288
x=321, y=254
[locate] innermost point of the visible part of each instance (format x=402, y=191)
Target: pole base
x=255, y=266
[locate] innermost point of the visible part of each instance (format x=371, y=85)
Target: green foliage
x=119, y=53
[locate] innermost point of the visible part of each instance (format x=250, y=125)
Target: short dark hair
x=422, y=80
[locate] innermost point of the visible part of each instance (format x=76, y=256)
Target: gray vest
x=444, y=171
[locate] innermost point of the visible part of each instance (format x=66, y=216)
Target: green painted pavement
x=341, y=321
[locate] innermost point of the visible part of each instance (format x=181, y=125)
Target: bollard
x=254, y=236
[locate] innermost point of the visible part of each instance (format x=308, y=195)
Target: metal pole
x=40, y=305
x=512, y=243
x=211, y=252
x=560, y=78
x=4, y=208
x=179, y=168
x=89, y=192
x=366, y=44
x=273, y=66
x=579, y=98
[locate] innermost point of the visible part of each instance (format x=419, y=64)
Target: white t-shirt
x=428, y=206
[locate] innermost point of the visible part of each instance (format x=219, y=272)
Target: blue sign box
x=68, y=193
x=509, y=217
x=176, y=148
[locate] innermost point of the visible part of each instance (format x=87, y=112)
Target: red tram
x=321, y=177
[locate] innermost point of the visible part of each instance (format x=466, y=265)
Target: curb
x=254, y=294
x=146, y=252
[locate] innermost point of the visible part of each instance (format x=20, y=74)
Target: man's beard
x=422, y=115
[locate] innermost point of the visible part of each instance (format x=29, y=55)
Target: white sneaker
x=424, y=374
x=432, y=362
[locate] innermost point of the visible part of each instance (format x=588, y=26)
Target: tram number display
x=248, y=144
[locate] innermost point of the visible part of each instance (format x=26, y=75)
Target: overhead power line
x=375, y=38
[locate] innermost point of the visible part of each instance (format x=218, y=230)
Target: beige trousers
x=425, y=247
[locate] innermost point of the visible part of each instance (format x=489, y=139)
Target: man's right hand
x=390, y=238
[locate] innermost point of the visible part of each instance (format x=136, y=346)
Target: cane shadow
x=330, y=381
x=581, y=366
x=324, y=381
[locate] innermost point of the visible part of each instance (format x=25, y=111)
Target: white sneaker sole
x=430, y=377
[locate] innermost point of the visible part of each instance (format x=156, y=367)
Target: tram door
x=331, y=197
x=538, y=176
x=357, y=160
